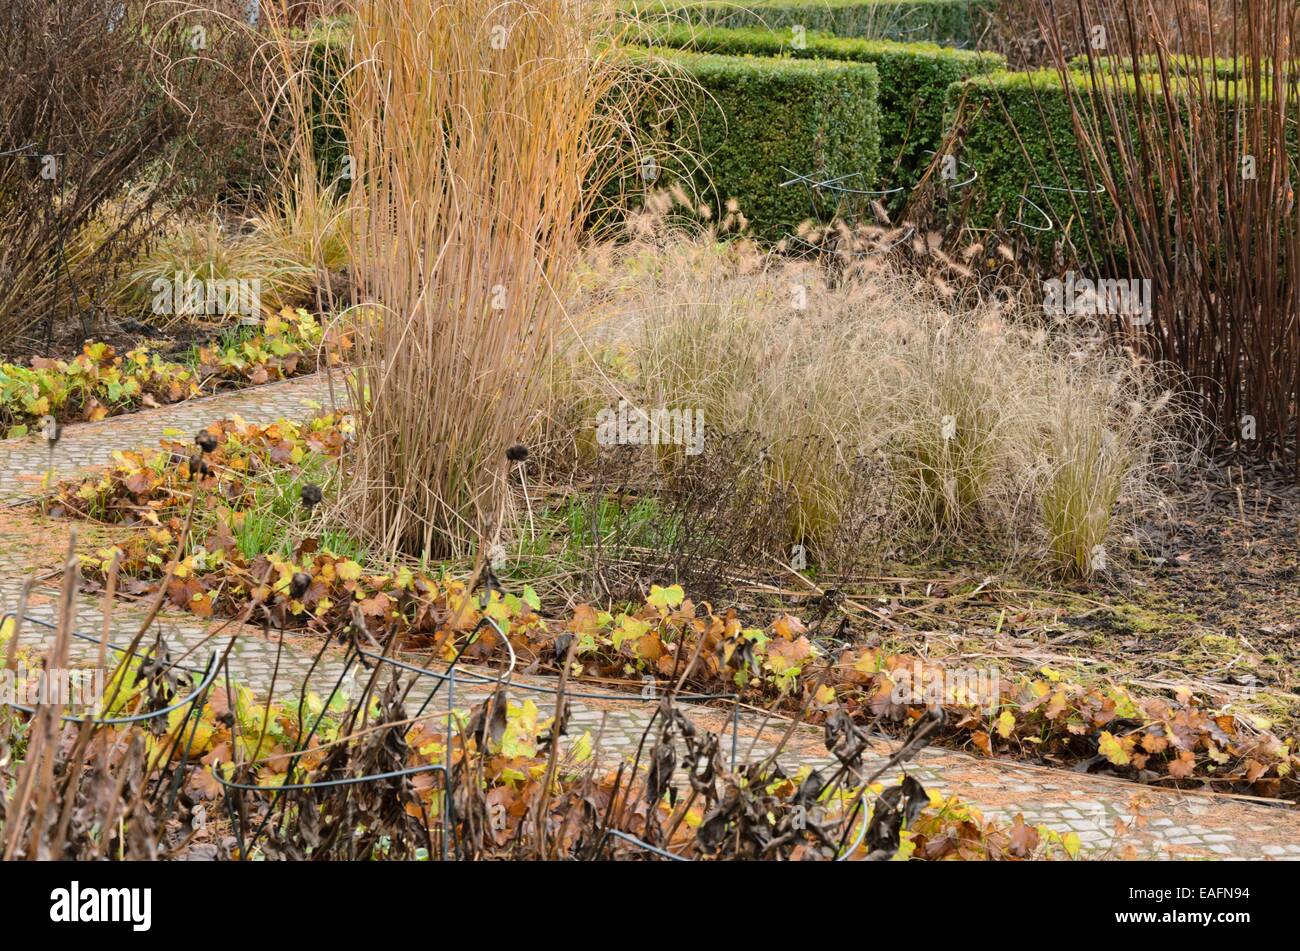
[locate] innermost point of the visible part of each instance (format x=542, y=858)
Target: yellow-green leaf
x=669, y=597
x=1070, y=842
x=1111, y=748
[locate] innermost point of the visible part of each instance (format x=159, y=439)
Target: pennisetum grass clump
x=979, y=425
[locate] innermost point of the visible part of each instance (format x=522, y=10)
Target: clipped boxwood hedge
x=1015, y=131
x=949, y=22
x=1221, y=67
x=914, y=81
x=750, y=119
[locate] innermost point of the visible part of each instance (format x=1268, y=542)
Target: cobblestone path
x=81, y=446
x=1109, y=815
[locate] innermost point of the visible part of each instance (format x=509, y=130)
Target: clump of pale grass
x=207, y=250
x=1108, y=427
x=984, y=427
x=308, y=226
x=954, y=386
x=474, y=128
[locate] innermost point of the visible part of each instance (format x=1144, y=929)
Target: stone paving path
x=82, y=446
x=1109, y=815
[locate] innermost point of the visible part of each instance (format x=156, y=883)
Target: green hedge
x=749, y=119
x=914, y=81
x=1221, y=67
x=948, y=22
x=1015, y=130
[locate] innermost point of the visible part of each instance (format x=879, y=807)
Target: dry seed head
x=299, y=584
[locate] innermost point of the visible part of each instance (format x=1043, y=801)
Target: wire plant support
x=447, y=678
x=442, y=830
x=188, y=724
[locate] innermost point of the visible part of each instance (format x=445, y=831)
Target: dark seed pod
x=299, y=584
x=311, y=496
x=517, y=453
x=205, y=440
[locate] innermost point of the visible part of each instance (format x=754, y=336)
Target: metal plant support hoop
x=449, y=679
x=233, y=791
x=194, y=700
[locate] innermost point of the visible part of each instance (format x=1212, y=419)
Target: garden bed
x=256, y=779
x=257, y=547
